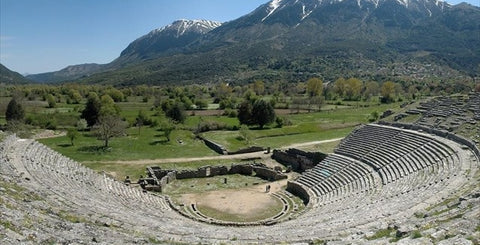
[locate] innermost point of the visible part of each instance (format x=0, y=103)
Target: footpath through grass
x=326, y=124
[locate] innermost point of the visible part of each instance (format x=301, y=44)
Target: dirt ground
x=48, y=134
x=244, y=202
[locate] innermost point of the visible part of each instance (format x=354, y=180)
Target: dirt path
x=312, y=143
x=220, y=157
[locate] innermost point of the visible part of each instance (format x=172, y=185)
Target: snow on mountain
x=171, y=37
x=307, y=7
x=272, y=7
x=183, y=26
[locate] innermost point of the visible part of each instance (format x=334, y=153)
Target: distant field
x=151, y=144
x=306, y=127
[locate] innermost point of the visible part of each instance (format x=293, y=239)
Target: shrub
x=230, y=113
x=206, y=126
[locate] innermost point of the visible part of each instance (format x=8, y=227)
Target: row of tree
x=196, y=96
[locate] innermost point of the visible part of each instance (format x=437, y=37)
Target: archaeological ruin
x=417, y=176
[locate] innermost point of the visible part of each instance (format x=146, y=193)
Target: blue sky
x=48, y=35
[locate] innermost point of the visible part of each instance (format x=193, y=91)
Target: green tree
x=82, y=124
x=340, y=86
x=51, y=101
x=177, y=112
x=115, y=94
x=244, y=114
x=371, y=89
x=259, y=87
x=263, y=113
x=314, y=87
x=167, y=127
x=108, y=106
x=223, y=91
x=388, y=91
x=373, y=116
x=244, y=133
x=72, y=134
x=201, y=104
x=109, y=126
x=92, y=109
x=141, y=119
x=75, y=97
x=15, y=111
x=353, y=89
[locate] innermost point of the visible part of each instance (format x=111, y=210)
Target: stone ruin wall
x=167, y=176
x=299, y=160
x=167, y=179
x=268, y=174
x=243, y=169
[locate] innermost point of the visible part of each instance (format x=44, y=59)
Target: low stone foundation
x=163, y=177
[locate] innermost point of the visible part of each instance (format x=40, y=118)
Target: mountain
x=10, y=77
x=166, y=40
x=293, y=40
x=69, y=73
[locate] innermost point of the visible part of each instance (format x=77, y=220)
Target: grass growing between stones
x=416, y=234
x=381, y=234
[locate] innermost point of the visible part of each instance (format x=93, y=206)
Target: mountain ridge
x=292, y=39
x=8, y=76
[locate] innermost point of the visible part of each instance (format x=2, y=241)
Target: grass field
x=316, y=126
x=150, y=144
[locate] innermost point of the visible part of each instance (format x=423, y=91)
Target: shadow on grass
x=94, y=149
x=159, y=142
x=64, y=145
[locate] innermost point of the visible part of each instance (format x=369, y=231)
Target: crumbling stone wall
x=268, y=174
x=167, y=179
x=203, y=172
x=297, y=159
x=164, y=177
x=243, y=169
x=190, y=174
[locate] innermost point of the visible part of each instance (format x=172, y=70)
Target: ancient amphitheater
x=395, y=177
